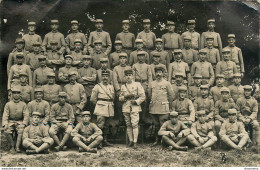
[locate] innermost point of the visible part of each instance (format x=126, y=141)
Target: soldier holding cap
x=54, y=35
x=102, y=96
x=98, y=54
x=215, y=91
x=127, y=38
x=104, y=67
x=63, y=74
x=75, y=34
x=100, y=35
x=226, y=67
x=247, y=108
x=32, y=58
x=194, y=90
x=36, y=138
x=147, y=36
x=179, y=82
x=62, y=118
x=133, y=56
x=236, y=54
x=31, y=37
x=40, y=74
x=174, y=132
x=161, y=95
x=27, y=94
x=189, y=55
x=217, y=43
x=15, y=118
x=86, y=135
x=156, y=63
x=236, y=89
x=13, y=77
x=195, y=36
x=54, y=59
x=233, y=132
x=132, y=95
x=164, y=55
x=114, y=57
x=77, y=54
x=203, y=68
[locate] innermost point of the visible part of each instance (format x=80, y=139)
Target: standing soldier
x=86, y=135
x=32, y=58
x=102, y=36
x=233, y=132
x=171, y=40
x=202, y=136
x=15, y=118
x=98, y=54
x=236, y=54
x=226, y=67
x=132, y=95
x=179, y=66
x=75, y=34
x=174, y=132
x=64, y=71
x=215, y=91
x=179, y=82
x=156, y=62
x=195, y=36
x=247, y=108
x=103, y=96
x=189, y=55
x=236, y=89
x=62, y=118
x=133, y=56
x=36, y=137
x=147, y=36
x=51, y=90
x=114, y=57
x=127, y=38
x=76, y=95
x=104, y=67
x=164, y=55
x=161, y=94
x=194, y=91
x=77, y=54
x=217, y=43
x=203, y=68
x=184, y=107
x=31, y=37
x=54, y=35
x=40, y=74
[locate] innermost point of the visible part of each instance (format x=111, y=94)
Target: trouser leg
x=96, y=142
x=193, y=141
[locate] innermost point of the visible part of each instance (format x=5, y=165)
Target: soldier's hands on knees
x=133, y=102
x=171, y=135
x=201, y=140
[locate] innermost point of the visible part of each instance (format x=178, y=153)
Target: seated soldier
x=194, y=91
x=87, y=136
x=202, y=135
x=36, y=137
x=61, y=117
x=174, y=132
x=233, y=132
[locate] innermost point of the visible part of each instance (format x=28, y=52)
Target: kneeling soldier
x=36, y=137
x=233, y=132
x=174, y=132
x=87, y=136
x=202, y=135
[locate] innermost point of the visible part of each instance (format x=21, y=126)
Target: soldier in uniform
x=102, y=96
x=174, y=132
x=179, y=66
x=171, y=40
x=194, y=91
x=213, y=55
x=133, y=56
x=202, y=136
x=102, y=36
x=233, y=132
x=76, y=95
x=104, y=67
x=54, y=35
x=36, y=138
x=164, y=55
x=40, y=74
x=77, y=54
x=222, y=106
x=236, y=54
x=127, y=38
x=226, y=67
x=132, y=95
x=147, y=36
x=189, y=54
x=247, y=108
x=32, y=58
x=86, y=135
x=15, y=118
x=161, y=94
x=236, y=89
x=51, y=90
x=217, y=43
x=195, y=36
x=215, y=91
x=26, y=90
x=62, y=118
x=31, y=37
x=75, y=34
x=114, y=57
x=98, y=54
x=184, y=107
x=203, y=68
x=156, y=62
x=179, y=82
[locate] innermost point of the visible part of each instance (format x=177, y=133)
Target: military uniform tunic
x=236, y=91
x=42, y=107
x=148, y=39
x=134, y=59
x=168, y=127
x=51, y=93
x=30, y=39
x=54, y=36
x=40, y=76
x=119, y=76
x=172, y=41
x=221, y=109
x=87, y=77
x=104, y=37
x=185, y=109
x=195, y=39
x=237, y=57
x=205, y=69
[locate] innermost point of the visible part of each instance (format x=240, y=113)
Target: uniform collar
x=85, y=124
x=35, y=124
x=16, y=101
x=54, y=31
x=77, y=51
x=147, y=31
x=125, y=31
x=31, y=33
x=38, y=101
x=98, y=52
x=158, y=50
x=181, y=99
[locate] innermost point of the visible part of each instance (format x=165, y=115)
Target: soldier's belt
x=132, y=98
x=107, y=100
x=205, y=77
x=166, y=48
x=15, y=119
x=146, y=48
x=127, y=48
x=74, y=103
x=183, y=113
x=62, y=119
x=140, y=80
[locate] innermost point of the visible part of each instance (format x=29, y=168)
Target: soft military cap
x=197, y=76
x=170, y=23
x=211, y=20
x=191, y=21
x=54, y=21
x=156, y=54
x=98, y=42
x=50, y=74
x=128, y=71
x=187, y=38
x=226, y=50
x=42, y=57
x=173, y=114
x=204, y=86
x=99, y=20
x=85, y=113
x=177, y=51
x=201, y=112
x=39, y=89
x=118, y=42
x=23, y=73
x=19, y=55
x=86, y=57
x=122, y=55
x=232, y=111
x=141, y=53
x=209, y=37
x=158, y=40
x=219, y=76
x=182, y=88
x=159, y=68
x=62, y=94
x=247, y=87
x=16, y=89
x=179, y=74
x=139, y=41
x=224, y=89
x=146, y=21
x=103, y=59
x=36, y=114
x=74, y=22
x=68, y=56
x=19, y=40
x=231, y=36
x=125, y=21
x=31, y=23
x=77, y=41
x=105, y=72
x=203, y=51
x=237, y=75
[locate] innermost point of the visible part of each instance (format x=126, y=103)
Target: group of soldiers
x=186, y=86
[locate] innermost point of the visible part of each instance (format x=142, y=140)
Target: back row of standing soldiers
x=187, y=81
